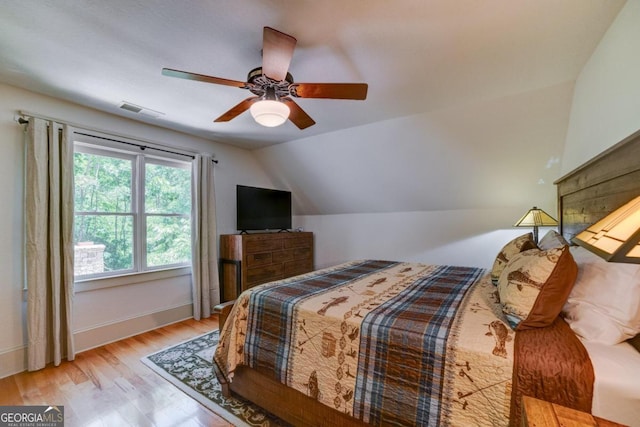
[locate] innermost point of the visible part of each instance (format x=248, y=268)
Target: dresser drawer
x=263, y=245
x=283, y=256
x=302, y=253
x=264, y=274
x=298, y=242
x=292, y=268
x=258, y=259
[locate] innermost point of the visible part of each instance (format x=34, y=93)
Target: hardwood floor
x=109, y=386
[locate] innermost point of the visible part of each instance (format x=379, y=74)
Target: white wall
x=459, y=237
x=606, y=103
x=111, y=313
x=434, y=187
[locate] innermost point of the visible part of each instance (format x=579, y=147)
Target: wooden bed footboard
x=223, y=310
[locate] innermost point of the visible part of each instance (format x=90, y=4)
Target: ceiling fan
x=273, y=86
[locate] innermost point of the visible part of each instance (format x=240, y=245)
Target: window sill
x=129, y=279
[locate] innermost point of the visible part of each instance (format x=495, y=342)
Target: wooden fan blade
x=277, y=51
x=202, y=78
x=298, y=115
x=237, y=110
x=356, y=91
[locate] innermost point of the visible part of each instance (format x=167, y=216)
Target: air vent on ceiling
x=140, y=110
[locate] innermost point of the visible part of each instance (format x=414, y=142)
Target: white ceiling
x=416, y=56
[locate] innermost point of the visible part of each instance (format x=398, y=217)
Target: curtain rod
x=22, y=121
x=142, y=147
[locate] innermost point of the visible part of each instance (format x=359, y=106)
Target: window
x=167, y=214
x=132, y=212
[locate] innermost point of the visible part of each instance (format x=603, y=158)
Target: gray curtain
x=49, y=243
x=204, y=271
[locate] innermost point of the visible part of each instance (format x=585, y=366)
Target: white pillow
x=552, y=240
x=604, y=304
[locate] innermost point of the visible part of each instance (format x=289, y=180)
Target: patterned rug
x=188, y=366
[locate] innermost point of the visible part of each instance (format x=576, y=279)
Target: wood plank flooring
x=109, y=386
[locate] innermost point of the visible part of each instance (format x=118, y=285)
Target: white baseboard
x=15, y=360
x=111, y=332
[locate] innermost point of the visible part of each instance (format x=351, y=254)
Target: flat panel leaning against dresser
x=247, y=260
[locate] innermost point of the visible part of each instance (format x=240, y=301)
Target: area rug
x=188, y=366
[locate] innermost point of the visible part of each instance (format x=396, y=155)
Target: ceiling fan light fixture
x=270, y=113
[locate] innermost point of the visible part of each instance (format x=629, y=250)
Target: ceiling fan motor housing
x=259, y=84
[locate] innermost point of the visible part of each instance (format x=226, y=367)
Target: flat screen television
x=262, y=209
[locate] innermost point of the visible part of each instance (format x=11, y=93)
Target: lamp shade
x=615, y=237
x=270, y=113
x=535, y=218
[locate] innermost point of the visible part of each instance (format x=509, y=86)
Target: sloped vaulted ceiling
x=503, y=152
x=416, y=56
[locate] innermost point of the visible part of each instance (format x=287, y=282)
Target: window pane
x=168, y=240
x=103, y=243
x=167, y=189
x=102, y=183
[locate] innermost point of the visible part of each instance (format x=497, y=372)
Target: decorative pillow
x=517, y=245
x=535, y=285
x=551, y=240
x=604, y=305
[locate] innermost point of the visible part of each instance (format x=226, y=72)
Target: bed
x=383, y=342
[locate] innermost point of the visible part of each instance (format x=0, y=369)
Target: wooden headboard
x=600, y=186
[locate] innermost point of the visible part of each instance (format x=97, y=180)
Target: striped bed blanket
x=384, y=342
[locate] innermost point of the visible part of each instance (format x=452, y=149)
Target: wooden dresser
x=247, y=260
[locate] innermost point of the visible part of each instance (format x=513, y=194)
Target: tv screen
x=262, y=209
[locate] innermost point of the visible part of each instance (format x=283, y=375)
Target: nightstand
x=538, y=413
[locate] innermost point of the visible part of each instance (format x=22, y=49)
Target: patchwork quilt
x=384, y=342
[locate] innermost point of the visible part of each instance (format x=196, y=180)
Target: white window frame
x=140, y=271
x=142, y=233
